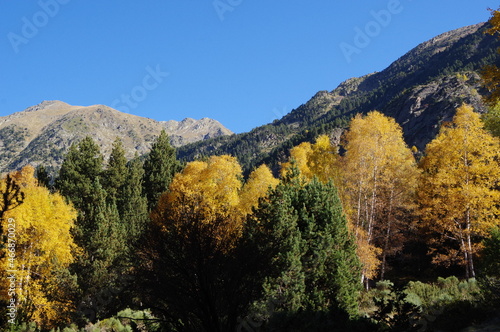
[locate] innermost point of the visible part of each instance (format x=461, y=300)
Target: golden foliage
x=256, y=187
x=319, y=159
x=458, y=190
x=206, y=193
x=379, y=180
x=43, y=245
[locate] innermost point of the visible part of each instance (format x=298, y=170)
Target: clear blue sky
x=242, y=62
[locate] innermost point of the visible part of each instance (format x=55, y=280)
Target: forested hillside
x=392, y=224
x=420, y=90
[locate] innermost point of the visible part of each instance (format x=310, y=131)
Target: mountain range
x=41, y=134
x=421, y=90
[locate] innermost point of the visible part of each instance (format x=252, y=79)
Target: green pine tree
x=83, y=163
x=43, y=176
x=132, y=203
x=302, y=233
x=115, y=174
x=98, y=228
x=159, y=168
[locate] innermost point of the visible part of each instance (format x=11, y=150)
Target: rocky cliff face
x=43, y=133
x=421, y=90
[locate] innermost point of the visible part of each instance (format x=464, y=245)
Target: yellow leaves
x=257, y=186
x=368, y=255
x=213, y=185
x=43, y=244
x=494, y=22
x=318, y=159
x=458, y=189
x=210, y=193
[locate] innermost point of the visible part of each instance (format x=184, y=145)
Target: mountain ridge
x=42, y=133
x=421, y=89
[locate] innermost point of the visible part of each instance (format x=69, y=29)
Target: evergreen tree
x=159, y=168
x=98, y=230
x=115, y=174
x=81, y=166
x=132, y=204
x=301, y=232
x=44, y=178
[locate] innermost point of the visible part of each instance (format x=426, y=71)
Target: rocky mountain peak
x=42, y=133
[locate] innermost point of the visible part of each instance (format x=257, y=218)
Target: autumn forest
x=366, y=235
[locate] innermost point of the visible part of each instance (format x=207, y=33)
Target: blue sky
x=244, y=63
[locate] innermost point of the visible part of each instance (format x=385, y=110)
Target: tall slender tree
x=115, y=174
x=380, y=176
x=458, y=191
x=98, y=229
x=159, y=168
x=132, y=203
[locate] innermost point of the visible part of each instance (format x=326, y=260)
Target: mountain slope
x=42, y=133
x=421, y=90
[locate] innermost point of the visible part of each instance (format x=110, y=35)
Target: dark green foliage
x=491, y=253
x=115, y=174
x=492, y=120
x=301, y=232
x=98, y=228
x=159, y=168
x=43, y=176
x=132, y=204
x=446, y=305
x=490, y=268
x=82, y=165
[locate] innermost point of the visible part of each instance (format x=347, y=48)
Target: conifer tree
x=302, y=234
x=81, y=166
x=115, y=174
x=132, y=204
x=98, y=230
x=159, y=168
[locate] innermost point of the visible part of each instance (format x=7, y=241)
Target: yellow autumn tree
x=458, y=191
x=257, y=186
x=43, y=248
x=319, y=159
x=207, y=193
x=379, y=180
